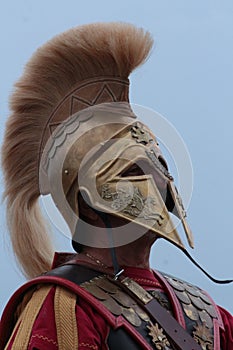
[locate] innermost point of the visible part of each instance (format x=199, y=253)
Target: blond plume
x=95, y=50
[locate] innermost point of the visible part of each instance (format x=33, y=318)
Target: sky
x=188, y=79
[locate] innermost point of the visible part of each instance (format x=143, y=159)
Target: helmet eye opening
x=163, y=162
x=133, y=170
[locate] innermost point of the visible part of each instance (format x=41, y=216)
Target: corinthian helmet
x=82, y=67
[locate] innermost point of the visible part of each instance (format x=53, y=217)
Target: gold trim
x=159, y=339
x=65, y=318
x=137, y=290
x=28, y=318
x=203, y=337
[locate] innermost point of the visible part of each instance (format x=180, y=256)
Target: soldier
x=72, y=134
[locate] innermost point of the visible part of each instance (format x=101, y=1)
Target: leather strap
x=176, y=333
x=172, y=328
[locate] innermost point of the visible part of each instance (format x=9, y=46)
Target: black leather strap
x=77, y=274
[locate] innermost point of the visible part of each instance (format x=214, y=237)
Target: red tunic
x=93, y=330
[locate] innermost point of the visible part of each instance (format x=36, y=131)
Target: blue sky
x=188, y=79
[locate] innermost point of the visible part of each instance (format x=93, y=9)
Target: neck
x=135, y=254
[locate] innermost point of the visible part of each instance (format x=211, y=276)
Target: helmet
x=114, y=160
x=70, y=113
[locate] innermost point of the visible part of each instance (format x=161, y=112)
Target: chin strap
x=206, y=273
x=104, y=216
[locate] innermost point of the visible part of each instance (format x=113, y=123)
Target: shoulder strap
x=176, y=333
x=26, y=320
x=65, y=318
